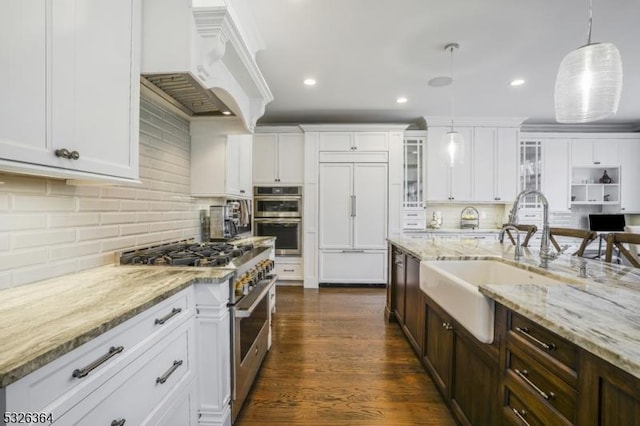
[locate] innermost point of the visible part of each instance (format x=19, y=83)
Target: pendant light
x=453, y=140
x=589, y=82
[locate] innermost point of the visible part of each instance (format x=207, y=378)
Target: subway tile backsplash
x=48, y=228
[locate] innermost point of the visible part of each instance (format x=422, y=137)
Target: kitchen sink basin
x=453, y=284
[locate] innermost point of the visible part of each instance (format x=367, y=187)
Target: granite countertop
x=44, y=320
x=600, y=313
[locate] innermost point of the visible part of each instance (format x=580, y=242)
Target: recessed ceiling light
x=401, y=100
x=226, y=112
x=309, y=82
x=517, y=82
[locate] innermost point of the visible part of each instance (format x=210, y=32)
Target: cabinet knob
x=447, y=326
x=242, y=191
x=65, y=153
x=119, y=422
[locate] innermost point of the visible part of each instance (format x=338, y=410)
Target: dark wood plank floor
x=334, y=361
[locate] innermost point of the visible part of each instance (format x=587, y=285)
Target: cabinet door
x=245, y=166
x=371, y=141
x=438, y=166
x=581, y=152
x=438, y=347
x=414, y=313
x=370, y=206
x=265, y=160
x=461, y=172
x=507, y=165
x=335, y=141
x=95, y=75
x=232, y=161
x=555, y=173
x=484, y=163
x=630, y=175
x=336, y=203
x=23, y=99
x=606, y=152
x=398, y=284
x=291, y=158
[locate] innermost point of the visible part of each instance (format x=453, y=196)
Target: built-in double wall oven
x=278, y=213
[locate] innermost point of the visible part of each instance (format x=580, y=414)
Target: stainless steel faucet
x=545, y=249
x=517, y=254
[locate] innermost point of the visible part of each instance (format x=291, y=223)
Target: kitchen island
x=595, y=321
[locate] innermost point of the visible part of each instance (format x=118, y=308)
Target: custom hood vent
x=185, y=93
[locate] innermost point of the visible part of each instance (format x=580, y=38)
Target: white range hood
x=203, y=43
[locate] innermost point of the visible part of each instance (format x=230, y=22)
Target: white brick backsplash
x=42, y=238
x=118, y=217
x=141, y=228
x=4, y=201
x=4, y=242
x=121, y=243
x=91, y=204
x=43, y=272
x=69, y=251
x=42, y=203
x=73, y=220
x=15, y=222
x=49, y=228
x=97, y=233
x=18, y=259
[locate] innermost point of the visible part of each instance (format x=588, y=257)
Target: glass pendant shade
x=589, y=84
x=454, y=144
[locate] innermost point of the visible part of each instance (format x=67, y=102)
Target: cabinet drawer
x=289, y=271
x=516, y=413
x=148, y=381
x=522, y=406
x=543, y=345
x=543, y=384
x=414, y=215
x=53, y=388
x=413, y=224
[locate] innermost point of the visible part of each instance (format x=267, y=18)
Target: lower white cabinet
x=289, y=268
x=141, y=360
x=355, y=267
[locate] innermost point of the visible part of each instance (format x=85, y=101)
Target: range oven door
x=277, y=206
x=251, y=322
x=288, y=233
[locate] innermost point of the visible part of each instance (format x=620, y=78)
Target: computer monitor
x=606, y=222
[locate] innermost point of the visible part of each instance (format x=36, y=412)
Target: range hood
x=200, y=55
x=185, y=93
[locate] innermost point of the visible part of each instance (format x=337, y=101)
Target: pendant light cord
x=590, y=22
x=452, y=81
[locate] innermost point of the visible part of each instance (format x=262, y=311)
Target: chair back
x=618, y=240
x=529, y=229
x=583, y=234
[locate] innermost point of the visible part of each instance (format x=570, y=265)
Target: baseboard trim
x=353, y=285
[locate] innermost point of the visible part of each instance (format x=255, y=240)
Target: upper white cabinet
x=630, y=175
x=278, y=158
x=70, y=107
x=593, y=151
x=220, y=164
x=495, y=162
x=446, y=182
x=556, y=173
x=353, y=141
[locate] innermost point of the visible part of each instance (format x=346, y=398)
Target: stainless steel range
x=249, y=302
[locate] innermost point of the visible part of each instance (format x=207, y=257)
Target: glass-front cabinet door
x=413, y=204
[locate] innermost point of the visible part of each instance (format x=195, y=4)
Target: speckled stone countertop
x=44, y=320
x=601, y=314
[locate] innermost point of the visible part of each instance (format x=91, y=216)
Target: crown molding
x=443, y=121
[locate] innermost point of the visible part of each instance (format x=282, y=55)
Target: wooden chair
x=529, y=229
x=585, y=235
x=617, y=240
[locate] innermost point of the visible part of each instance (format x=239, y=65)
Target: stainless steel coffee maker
x=221, y=223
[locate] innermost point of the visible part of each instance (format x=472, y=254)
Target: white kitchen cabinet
x=556, y=173
x=444, y=181
x=595, y=151
x=630, y=175
x=279, y=158
x=586, y=187
x=289, y=268
x=495, y=160
x=126, y=362
x=352, y=221
x=413, y=177
x=220, y=164
x=353, y=141
x=71, y=109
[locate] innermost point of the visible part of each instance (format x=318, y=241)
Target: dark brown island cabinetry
x=529, y=375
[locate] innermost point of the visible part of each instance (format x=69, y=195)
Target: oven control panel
x=246, y=282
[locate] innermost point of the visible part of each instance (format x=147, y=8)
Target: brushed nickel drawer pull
x=169, y=372
x=288, y=270
x=82, y=372
x=525, y=332
x=167, y=317
x=120, y=422
x=524, y=375
x=520, y=414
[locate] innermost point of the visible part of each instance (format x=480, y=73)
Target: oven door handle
x=295, y=220
x=263, y=289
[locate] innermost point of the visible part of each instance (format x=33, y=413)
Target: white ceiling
x=366, y=53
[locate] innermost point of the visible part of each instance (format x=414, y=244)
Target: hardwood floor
x=334, y=361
